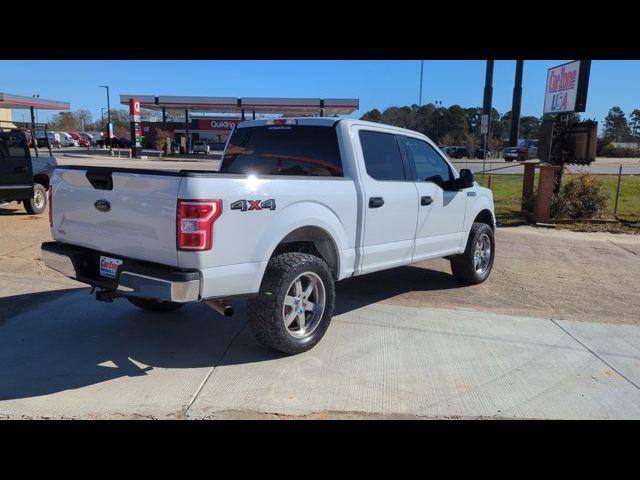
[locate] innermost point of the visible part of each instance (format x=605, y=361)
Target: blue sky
x=378, y=84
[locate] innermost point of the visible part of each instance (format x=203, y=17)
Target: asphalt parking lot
x=554, y=333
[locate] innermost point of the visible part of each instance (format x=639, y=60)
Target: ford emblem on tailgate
x=102, y=205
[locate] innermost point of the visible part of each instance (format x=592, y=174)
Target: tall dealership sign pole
x=136, y=133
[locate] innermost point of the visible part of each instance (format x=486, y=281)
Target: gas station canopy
x=246, y=105
x=8, y=100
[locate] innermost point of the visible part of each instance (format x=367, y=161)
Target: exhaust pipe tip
x=221, y=307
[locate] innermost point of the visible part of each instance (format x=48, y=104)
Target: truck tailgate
x=128, y=213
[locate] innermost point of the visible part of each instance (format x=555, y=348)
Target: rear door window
x=382, y=157
x=283, y=150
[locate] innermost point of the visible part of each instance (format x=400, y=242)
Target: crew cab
x=22, y=178
x=297, y=205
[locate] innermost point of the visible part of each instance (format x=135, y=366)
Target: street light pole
x=437, y=121
x=36, y=110
x=421, y=73
x=108, y=118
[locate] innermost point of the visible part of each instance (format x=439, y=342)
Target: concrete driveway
x=554, y=333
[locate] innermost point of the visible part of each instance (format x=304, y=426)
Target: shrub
x=580, y=197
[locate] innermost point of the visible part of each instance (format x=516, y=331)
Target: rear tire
x=155, y=306
x=294, y=306
x=475, y=264
x=38, y=203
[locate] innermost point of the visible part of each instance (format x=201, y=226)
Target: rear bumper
x=134, y=278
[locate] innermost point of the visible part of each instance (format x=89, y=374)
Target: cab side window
x=382, y=157
x=429, y=165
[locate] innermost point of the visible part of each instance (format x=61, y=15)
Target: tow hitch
x=106, y=295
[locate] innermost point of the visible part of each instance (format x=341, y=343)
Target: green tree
x=634, y=123
x=615, y=125
x=474, y=119
x=372, y=116
x=456, y=122
x=530, y=127
x=120, y=121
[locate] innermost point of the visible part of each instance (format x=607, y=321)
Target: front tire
x=38, y=203
x=475, y=264
x=294, y=306
x=155, y=306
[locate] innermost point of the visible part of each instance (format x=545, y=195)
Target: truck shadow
x=357, y=292
x=66, y=340
x=12, y=209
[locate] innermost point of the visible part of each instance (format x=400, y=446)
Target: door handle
x=376, y=202
x=426, y=201
x=20, y=169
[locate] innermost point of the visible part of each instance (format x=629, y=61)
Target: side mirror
x=466, y=179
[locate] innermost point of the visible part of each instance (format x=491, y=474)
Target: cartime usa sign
x=567, y=87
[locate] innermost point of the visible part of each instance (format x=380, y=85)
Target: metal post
x=46, y=136
x=515, y=106
x=164, y=117
x=615, y=208
x=186, y=130
x=421, y=74
x=254, y=114
x=33, y=131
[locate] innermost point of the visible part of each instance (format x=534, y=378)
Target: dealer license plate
x=109, y=266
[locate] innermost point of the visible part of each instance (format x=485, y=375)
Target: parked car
x=525, y=150
x=456, y=151
x=92, y=137
x=480, y=153
x=22, y=178
x=66, y=140
x=41, y=139
x=299, y=186
x=201, y=147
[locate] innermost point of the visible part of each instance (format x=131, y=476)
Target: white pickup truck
x=297, y=205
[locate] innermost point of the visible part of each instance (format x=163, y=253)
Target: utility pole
x=438, y=102
x=421, y=74
x=486, y=103
x=515, y=106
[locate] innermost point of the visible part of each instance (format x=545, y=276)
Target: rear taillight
x=50, y=195
x=522, y=149
x=194, y=223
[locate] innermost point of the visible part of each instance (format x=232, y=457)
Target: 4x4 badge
x=244, y=205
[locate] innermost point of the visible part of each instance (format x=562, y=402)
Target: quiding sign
x=567, y=87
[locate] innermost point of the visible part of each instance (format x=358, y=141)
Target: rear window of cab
x=283, y=150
